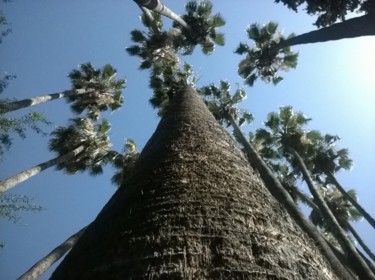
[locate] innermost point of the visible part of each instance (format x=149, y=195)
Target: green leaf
x=104, y=127
x=132, y=50
x=242, y=48
x=253, y=31
x=219, y=39
x=137, y=36
x=271, y=27
x=218, y=20
x=251, y=79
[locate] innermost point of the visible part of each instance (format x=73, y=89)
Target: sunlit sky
x=333, y=84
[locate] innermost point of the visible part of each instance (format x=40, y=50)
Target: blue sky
x=333, y=84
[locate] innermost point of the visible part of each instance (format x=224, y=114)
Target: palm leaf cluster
x=202, y=28
x=98, y=90
x=284, y=136
x=264, y=60
x=222, y=103
x=82, y=132
x=124, y=162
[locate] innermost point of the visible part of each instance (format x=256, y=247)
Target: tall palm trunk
x=358, y=264
x=361, y=242
x=363, y=212
x=27, y=174
x=279, y=192
x=351, y=28
x=193, y=209
x=158, y=7
x=44, y=264
x=16, y=105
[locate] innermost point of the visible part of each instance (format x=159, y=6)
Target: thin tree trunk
x=358, y=264
x=279, y=192
x=45, y=263
x=193, y=208
x=361, y=242
x=363, y=212
x=158, y=7
x=16, y=105
x=27, y=174
x=351, y=28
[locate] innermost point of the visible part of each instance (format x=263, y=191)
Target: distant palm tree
x=264, y=60
x=344, y=213
x=287, y=133
x=326, y=160
x=94, y=90
x=80, y=146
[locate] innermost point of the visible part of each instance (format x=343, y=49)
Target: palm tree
x=193, y=209
x=265, y=60
x=46, y=262
x=344, y=212
x=327, y=160
x=80, y=146
x=286, y=132
x=94, y=90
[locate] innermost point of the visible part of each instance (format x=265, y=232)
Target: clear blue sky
x=333, y=84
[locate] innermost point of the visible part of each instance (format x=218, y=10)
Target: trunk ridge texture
x=193, y=208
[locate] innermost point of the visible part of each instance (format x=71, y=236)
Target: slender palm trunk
x=27, y=174
x=16, y=105
x=158, y=7
x=358, y=264
x=363, y=212
x=361, y=242
x=351, y=28
x=193, y=209
x=279, y=192
x=44, y=264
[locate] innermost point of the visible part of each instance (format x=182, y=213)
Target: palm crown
x=82, y=132
x=265, y=59
x=99, y=90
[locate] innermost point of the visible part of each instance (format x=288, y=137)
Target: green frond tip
x=253, y=31
x=242, y=48
x=218, y=20
x=133, y=50
x=271, y=27
x=137, y=36
x=220, y=39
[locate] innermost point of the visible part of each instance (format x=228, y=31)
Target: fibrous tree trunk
x=27, y=174
x=193, y=208
x=351, y=28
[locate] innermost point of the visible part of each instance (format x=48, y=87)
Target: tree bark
x=44, y=264
x=193, y=209
x=361, y=242
x=351, y=28
x=27, y=174
x=279, y=192
x=158, y=7
x=358, y=264
x=363, y=212
x=16, y=105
